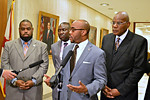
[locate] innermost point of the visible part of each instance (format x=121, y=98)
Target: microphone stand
x=55, y=79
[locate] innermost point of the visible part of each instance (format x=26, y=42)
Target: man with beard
x=19, y=54
x=57, y=52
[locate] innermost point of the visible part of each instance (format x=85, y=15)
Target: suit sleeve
x=1, y=70
x=100, y=76
x=139, y=64
x=44, y=66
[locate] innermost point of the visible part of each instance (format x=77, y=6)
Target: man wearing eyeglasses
x=85, y=73
x=126, y=55
x=57, y=52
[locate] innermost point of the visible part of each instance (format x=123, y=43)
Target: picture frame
x=103, y=32
x=71, y=21
x=47, y=29
x=92, y=35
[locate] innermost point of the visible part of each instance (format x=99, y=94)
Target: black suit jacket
x=126, y=65
x=49, y=40
x=1, y=71
x=147, y=93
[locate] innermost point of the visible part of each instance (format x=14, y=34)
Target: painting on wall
x=92, y=35
x=103, y=32
x=47, y=29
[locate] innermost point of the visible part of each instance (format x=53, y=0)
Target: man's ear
x=84, y=32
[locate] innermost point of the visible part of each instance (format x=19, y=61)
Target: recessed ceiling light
x=104, y=4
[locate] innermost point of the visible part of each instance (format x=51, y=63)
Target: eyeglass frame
x=118, y=23
x=74, y=29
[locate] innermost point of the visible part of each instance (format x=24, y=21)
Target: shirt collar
x=22, y=41
x=83, y=44
x=122, y=37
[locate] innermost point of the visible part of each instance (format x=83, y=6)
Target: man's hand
x=21, y=84
x=78, y=89
x=47, y=80
x=110, y=93
x=107, y=92
x=115, y=92
x=29, y=84
x=8, y=75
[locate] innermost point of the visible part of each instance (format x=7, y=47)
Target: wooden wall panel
x=3, y=20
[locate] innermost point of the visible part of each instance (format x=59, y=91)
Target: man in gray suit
x=57, y=52
x=28, y=83
x=89, y=74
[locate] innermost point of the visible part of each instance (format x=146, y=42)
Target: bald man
x=126, y=55
x=88, y=76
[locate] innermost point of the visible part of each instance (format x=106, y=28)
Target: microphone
x=30, y=66
x=54, y=78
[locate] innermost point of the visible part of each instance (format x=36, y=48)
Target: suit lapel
x=19, y=48
x=122, y=48
x=82, y=57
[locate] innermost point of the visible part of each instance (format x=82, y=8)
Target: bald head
x=84, y=24
x=124, y=15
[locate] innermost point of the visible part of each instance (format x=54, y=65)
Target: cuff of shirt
x=34, y=81
x=13, y=80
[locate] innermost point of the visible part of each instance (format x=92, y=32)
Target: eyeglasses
x=73, y=29
x=59, y=30
x=118, y=23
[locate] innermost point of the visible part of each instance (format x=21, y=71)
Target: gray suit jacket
x=56, y=48
x=56, y=54
x=13, y=58
x=90, y=69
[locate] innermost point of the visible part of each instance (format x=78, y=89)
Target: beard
x=26, y=39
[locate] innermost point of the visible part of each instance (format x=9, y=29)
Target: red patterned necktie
x=73, y=59
x=25, y=48
x=117, y=43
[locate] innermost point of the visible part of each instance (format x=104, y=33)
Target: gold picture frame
x=47, y=29
x=92, y=35
x=103, y=32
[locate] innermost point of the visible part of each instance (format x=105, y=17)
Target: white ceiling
x=138, y=10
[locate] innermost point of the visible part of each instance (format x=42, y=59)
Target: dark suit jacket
x=147, y=93
x=49, y=40
x=1, y=71
x=126, y=65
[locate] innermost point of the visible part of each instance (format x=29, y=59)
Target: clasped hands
x=78, y=89
x=24, y=85
x=110, y=93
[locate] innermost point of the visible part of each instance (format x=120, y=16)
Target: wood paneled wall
x=3, y=20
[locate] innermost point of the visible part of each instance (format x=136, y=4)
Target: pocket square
x=85, y=62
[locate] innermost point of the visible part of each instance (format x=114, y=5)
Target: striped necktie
x=25, y=48
x=117, y=43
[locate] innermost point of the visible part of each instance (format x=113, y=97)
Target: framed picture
x=71, y=21
x=92, y=35
x=102, y=34
x=47, y=29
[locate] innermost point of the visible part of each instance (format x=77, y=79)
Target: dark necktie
x=73, y=59
x=65, y=44
x=117, y=43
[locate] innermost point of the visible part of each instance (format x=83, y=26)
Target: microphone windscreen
x=36, y=63
x=65, y=60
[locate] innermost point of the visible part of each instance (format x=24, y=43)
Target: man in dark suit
x=57, y=52
x=126, y=55
x=147, y=93
x=7, y=74
x=48, y=37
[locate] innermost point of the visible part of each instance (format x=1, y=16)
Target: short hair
x=25, y=20
x=66, y=23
